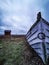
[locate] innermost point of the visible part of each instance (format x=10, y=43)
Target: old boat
x=38, y=37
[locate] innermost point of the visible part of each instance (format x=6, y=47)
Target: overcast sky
x=19, y=15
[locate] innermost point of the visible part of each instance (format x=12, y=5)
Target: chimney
x=38, y=16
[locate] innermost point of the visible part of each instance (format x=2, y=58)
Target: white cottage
x=38, y=37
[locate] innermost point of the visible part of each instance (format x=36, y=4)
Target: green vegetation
x=16, y=52
x=11, y=51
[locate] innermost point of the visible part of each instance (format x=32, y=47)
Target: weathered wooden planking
x=38, y=38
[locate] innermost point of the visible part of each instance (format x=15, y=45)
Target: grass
x=16, y=53
x=12, y=52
